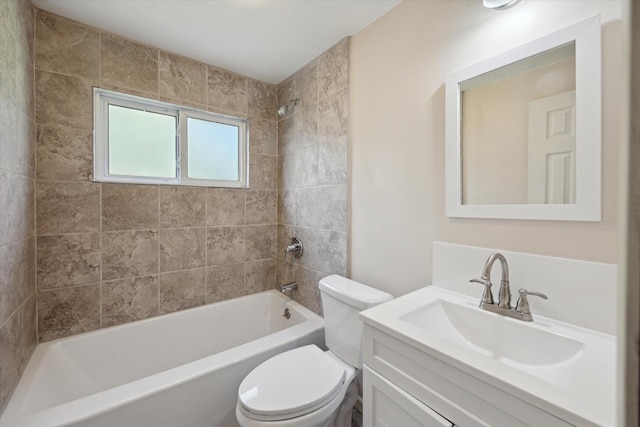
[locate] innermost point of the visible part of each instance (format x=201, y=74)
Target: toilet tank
x=342, y=300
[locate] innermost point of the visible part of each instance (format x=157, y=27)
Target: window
x=139, y=140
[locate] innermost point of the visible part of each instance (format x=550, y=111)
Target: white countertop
x=581, y=391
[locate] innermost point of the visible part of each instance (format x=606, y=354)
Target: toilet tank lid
x=353, y=293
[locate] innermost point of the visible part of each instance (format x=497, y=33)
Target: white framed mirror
x=523, y=131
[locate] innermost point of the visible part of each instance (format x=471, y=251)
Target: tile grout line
x=34, y=181
x=158, y=72
x=101, y=253
x=74, y=286
x=100, y=206
x=206, y=248
x=16, y=311
x=244, y=239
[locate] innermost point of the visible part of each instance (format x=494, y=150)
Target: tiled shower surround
x=109, y=253
x=17, y=241
x=114, y=253
x=312, y=171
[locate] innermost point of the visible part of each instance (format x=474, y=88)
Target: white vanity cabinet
x=388, y=406
x=405, y=386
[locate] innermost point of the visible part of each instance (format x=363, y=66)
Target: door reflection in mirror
x=517, y=132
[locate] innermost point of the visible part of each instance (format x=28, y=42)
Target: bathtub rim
x=94, y=404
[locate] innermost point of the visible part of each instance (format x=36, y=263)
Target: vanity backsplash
x=582, y=293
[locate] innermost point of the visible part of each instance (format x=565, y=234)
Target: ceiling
x=266, y=40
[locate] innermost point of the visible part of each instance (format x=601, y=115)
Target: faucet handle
x=487, y=295
x=522, y=306
x=295, y=246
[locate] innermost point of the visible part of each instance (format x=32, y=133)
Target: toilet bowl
x=306, y=386
x=303, y=387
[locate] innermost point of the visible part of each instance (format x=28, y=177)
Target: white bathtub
x=178, y=370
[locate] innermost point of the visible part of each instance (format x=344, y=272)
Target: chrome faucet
x=522, y=310
x=288, y=287
x=295, y=246
x=504, y=295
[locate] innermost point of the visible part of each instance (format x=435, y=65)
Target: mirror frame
x=586, y=35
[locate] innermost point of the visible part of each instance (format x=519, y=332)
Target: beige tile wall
x=312, y=172
x=113, y=253
x=17, y=241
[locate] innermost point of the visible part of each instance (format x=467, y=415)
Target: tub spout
x=288, y=287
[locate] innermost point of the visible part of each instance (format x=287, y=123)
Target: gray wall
x=312, y=172
x=114, y=253
x=17, y=243
x=109, y=254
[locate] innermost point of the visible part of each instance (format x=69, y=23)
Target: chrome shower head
x=283, y=109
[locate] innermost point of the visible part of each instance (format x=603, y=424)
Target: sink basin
x=510, y=341
x=565, y=369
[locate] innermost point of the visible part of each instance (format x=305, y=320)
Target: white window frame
x=102, y=98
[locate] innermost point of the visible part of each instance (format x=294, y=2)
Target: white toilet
x=308, y=387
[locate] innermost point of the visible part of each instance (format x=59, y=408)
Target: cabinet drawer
x=463, y=398
x=386, y=405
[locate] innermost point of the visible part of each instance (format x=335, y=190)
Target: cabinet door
x=386, y=405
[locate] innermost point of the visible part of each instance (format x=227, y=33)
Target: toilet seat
x=291, y=384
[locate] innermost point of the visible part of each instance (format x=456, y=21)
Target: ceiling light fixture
x=499, y=4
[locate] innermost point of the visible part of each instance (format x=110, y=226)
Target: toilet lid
x=291, y=384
